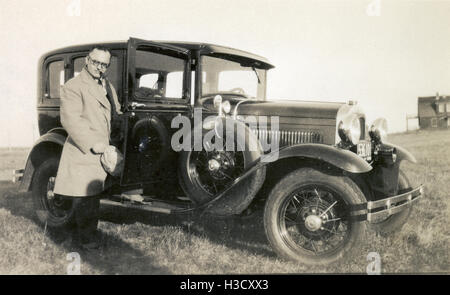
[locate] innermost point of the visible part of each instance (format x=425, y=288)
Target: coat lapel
x=95, y=89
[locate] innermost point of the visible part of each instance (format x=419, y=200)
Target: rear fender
x=50, y=144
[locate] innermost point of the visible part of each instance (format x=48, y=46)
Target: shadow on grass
x=238, y=233
x=114, y=257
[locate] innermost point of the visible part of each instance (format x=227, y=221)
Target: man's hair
x=101, y=48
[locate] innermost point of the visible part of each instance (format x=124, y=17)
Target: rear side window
x=78, y=64
x=55, y=78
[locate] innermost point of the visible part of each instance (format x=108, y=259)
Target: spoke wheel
x=204, y=174
x=214, y=171
x=307, y=217
x=313, y=219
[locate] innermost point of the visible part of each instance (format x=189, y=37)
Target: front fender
x=47, y=145
x=402, y=153
x=340, y=158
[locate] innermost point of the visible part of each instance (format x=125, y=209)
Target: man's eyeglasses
x=98, y=63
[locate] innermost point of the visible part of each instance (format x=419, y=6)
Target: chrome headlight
x=378, y=130
x=349, y=129
x=222, y=106
x=217, y=101
x=226, y=107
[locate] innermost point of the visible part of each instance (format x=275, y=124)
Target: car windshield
x=223, y=76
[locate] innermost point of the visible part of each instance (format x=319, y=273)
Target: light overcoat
x=86, y=116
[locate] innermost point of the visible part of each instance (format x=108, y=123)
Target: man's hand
x=98, y=148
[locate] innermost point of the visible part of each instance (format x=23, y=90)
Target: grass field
x=136, y=242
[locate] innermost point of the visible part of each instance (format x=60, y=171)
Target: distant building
x=434, y=111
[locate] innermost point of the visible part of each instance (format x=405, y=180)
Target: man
x=88, y=102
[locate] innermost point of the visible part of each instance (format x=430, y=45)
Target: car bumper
x=375, y=211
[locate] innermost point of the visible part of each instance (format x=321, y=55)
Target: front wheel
x=206, y=173
x=307, y=217
x=52, y=210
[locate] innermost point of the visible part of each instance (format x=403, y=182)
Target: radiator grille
x=287, y=138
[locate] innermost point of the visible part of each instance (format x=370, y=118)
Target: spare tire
x=204, y=174
x=150, y=138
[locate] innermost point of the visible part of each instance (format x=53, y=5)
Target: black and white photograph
x=224, y=137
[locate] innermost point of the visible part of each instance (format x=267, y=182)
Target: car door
x=157, y=91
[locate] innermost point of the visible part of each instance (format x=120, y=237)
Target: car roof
x=204, y=48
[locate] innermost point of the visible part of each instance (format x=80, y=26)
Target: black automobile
x=319, y=171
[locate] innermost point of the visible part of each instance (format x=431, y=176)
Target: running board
x=152, y=206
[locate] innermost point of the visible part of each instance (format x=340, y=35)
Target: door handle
x=136, y=105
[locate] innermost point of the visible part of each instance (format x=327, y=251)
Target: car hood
x=287, y=108
x=307, y=119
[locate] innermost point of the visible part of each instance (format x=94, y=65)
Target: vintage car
x=329, y=174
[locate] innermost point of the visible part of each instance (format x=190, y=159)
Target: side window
x=441, y=108
x=158, y=76
x=149, y=81
x=174, y=86
x=55, y=78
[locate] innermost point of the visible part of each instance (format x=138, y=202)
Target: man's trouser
x=86, y=215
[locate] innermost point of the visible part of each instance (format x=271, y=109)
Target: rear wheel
x=307, y=217
x=52, y=210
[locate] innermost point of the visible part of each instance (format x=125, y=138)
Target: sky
x=382, y=53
